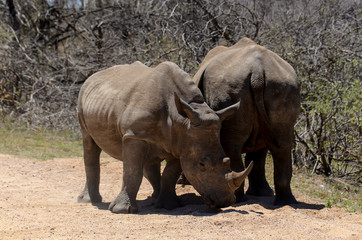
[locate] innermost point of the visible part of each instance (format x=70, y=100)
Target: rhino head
x=202, y=158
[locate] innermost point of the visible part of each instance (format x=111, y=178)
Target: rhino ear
x=184, y=109
x=228, y=112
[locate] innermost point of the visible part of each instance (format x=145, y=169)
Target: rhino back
x=227, y=76
x=265, y=84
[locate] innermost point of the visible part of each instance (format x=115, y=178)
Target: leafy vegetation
x=330, y=191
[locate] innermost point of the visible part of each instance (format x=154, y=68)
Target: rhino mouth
x=209, y=202
x=219, y=204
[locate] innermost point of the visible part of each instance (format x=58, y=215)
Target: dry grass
x=45, y=144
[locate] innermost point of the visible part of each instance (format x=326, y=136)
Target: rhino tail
x=257, y=83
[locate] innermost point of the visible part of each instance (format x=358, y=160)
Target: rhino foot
x=84, y=197
x=168, y=202
x=260, y=191
x=122, y=204
x=155, y=194
x=240, y=198
x=122, y=208
x=284, y=200
x=183, y=180
x=240, y=195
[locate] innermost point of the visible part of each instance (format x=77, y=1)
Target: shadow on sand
x=267, y=202
x=194, y=205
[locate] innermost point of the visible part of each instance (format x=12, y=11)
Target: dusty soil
x=38, y=201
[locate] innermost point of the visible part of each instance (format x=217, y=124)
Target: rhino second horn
x=226, y=161
x=237, y=178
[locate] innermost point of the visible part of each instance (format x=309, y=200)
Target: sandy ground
x=38, y=201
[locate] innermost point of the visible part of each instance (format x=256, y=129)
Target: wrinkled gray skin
x=142, y=115
x=269, y=95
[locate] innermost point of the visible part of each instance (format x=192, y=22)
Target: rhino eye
x=202, y=164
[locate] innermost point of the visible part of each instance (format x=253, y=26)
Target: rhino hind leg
x=91, y=153
x=168, y=198
x=282, y=176
x=258, y=185
x=152, y=173
x=134, y=153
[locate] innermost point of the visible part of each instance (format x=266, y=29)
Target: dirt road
x=38, y=201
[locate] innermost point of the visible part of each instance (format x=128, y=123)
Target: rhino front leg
x=168, y=198
x=152, y=172
x=134, y=153
x=91, y=153
x=258, y=184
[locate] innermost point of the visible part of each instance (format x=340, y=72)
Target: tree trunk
x=13, y=19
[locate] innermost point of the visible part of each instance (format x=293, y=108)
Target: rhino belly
x=112, y=147
x=106, y=137
x=247, y=136
x=255, y=146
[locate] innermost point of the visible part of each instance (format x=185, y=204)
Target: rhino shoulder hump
x=244, y=42
x=168, y=64
x=138, y=64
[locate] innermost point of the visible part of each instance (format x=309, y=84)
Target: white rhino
x=269, y=95
x=142, y=115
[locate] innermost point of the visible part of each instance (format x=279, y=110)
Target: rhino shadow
x=195, y=206
x=192, y=205
x=267, y=203
x=102, y=205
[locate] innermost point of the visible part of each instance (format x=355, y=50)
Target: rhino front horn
x=235, y=179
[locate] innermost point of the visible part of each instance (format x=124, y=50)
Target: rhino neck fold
x=176, y=136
